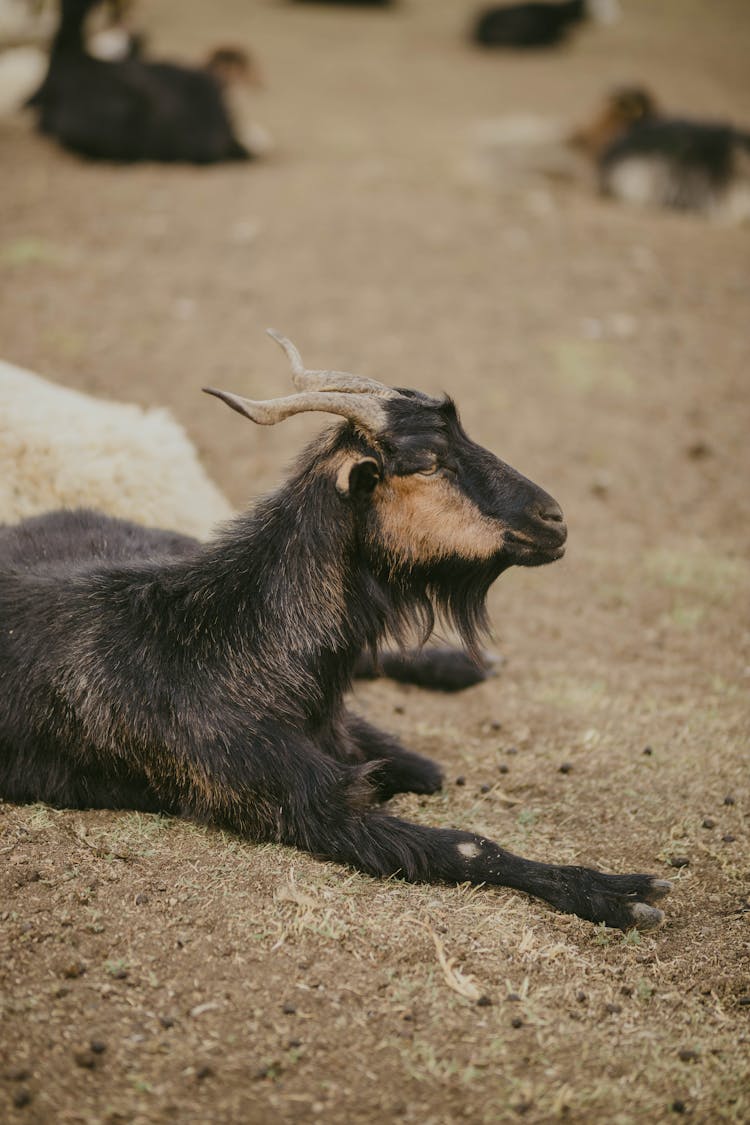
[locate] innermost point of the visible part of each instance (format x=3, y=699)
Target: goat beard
x=452, y=591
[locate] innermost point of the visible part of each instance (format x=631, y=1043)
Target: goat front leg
x=398, y=770
x=386, y=846
x=312, y=802
x=294, y=793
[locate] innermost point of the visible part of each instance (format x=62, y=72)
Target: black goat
x=534, y=24
x=143, y=670
x=646, y=157
x=131, y=109
x=353, y=3
x=687, y=165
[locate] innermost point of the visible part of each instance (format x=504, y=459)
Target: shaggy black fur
x=130, y=110
x=142, y=670
x=694, y=162
x=527, y=25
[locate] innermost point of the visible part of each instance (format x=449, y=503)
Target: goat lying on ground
x=537, y=23
x=144, y=670
x=60, y=448
x=644, y=157
x=132, y=109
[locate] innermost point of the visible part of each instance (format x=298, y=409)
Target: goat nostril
x=550, y=513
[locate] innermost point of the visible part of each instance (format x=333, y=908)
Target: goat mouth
x=527, y=552
x=540, y=557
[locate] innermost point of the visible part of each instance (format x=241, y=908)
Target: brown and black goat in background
x=141, y=669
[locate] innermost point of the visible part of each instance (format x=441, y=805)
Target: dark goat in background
x=144, y=670
x=537, y=23
x=644, y=156
x=131, y=109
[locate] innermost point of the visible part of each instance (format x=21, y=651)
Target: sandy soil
x=152, y=971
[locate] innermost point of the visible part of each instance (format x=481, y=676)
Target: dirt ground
x=152, y=971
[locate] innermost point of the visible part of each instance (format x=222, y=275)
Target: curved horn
x=306, y=380
x=369, y=412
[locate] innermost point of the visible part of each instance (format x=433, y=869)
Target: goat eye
x=438, y=470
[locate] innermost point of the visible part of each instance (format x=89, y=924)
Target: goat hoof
x=659, y=888
x=621, y=901
x=642, y=915
x=409, y=774
x=646, y=918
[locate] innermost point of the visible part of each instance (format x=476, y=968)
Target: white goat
x=63, y=449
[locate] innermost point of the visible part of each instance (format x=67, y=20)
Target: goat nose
x=551, y=512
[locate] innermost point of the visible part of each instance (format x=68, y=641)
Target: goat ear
x=358, y=477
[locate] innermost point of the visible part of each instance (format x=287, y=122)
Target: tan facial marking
x=422, y=519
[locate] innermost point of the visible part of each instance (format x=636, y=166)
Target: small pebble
x=728, y=838
x=626, y=990
x=678, y=1106
x=399, y=709
x=484, y=788
x=686, y=1054
x=204, y=1071
x=503, y=769
x=613, y=1009
x=98, y=1046
x=729, y=799
x=18, y=1074
x=141, y=899
x=293, y=1043
x=708, y=822
x=166, y=1021
x=516, y=1022
x=698, y=450
x=647, y=751
x=484, y=1002
x=744, y=1001
x=289, y=1010
x=512, y=750
x=580, y=996
x=77, y=969
x=21, y=1098
x=513, y=997
x=120, y=974
x=460, y=781
x=680, y=861
x=495, y=725
x=566, y=767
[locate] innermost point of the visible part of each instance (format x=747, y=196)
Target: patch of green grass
x=574, y=694
x=585, y=366
x=115, y=966
x=30, y=250
x=709, y=577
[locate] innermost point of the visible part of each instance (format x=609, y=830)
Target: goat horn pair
x=333, y=392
